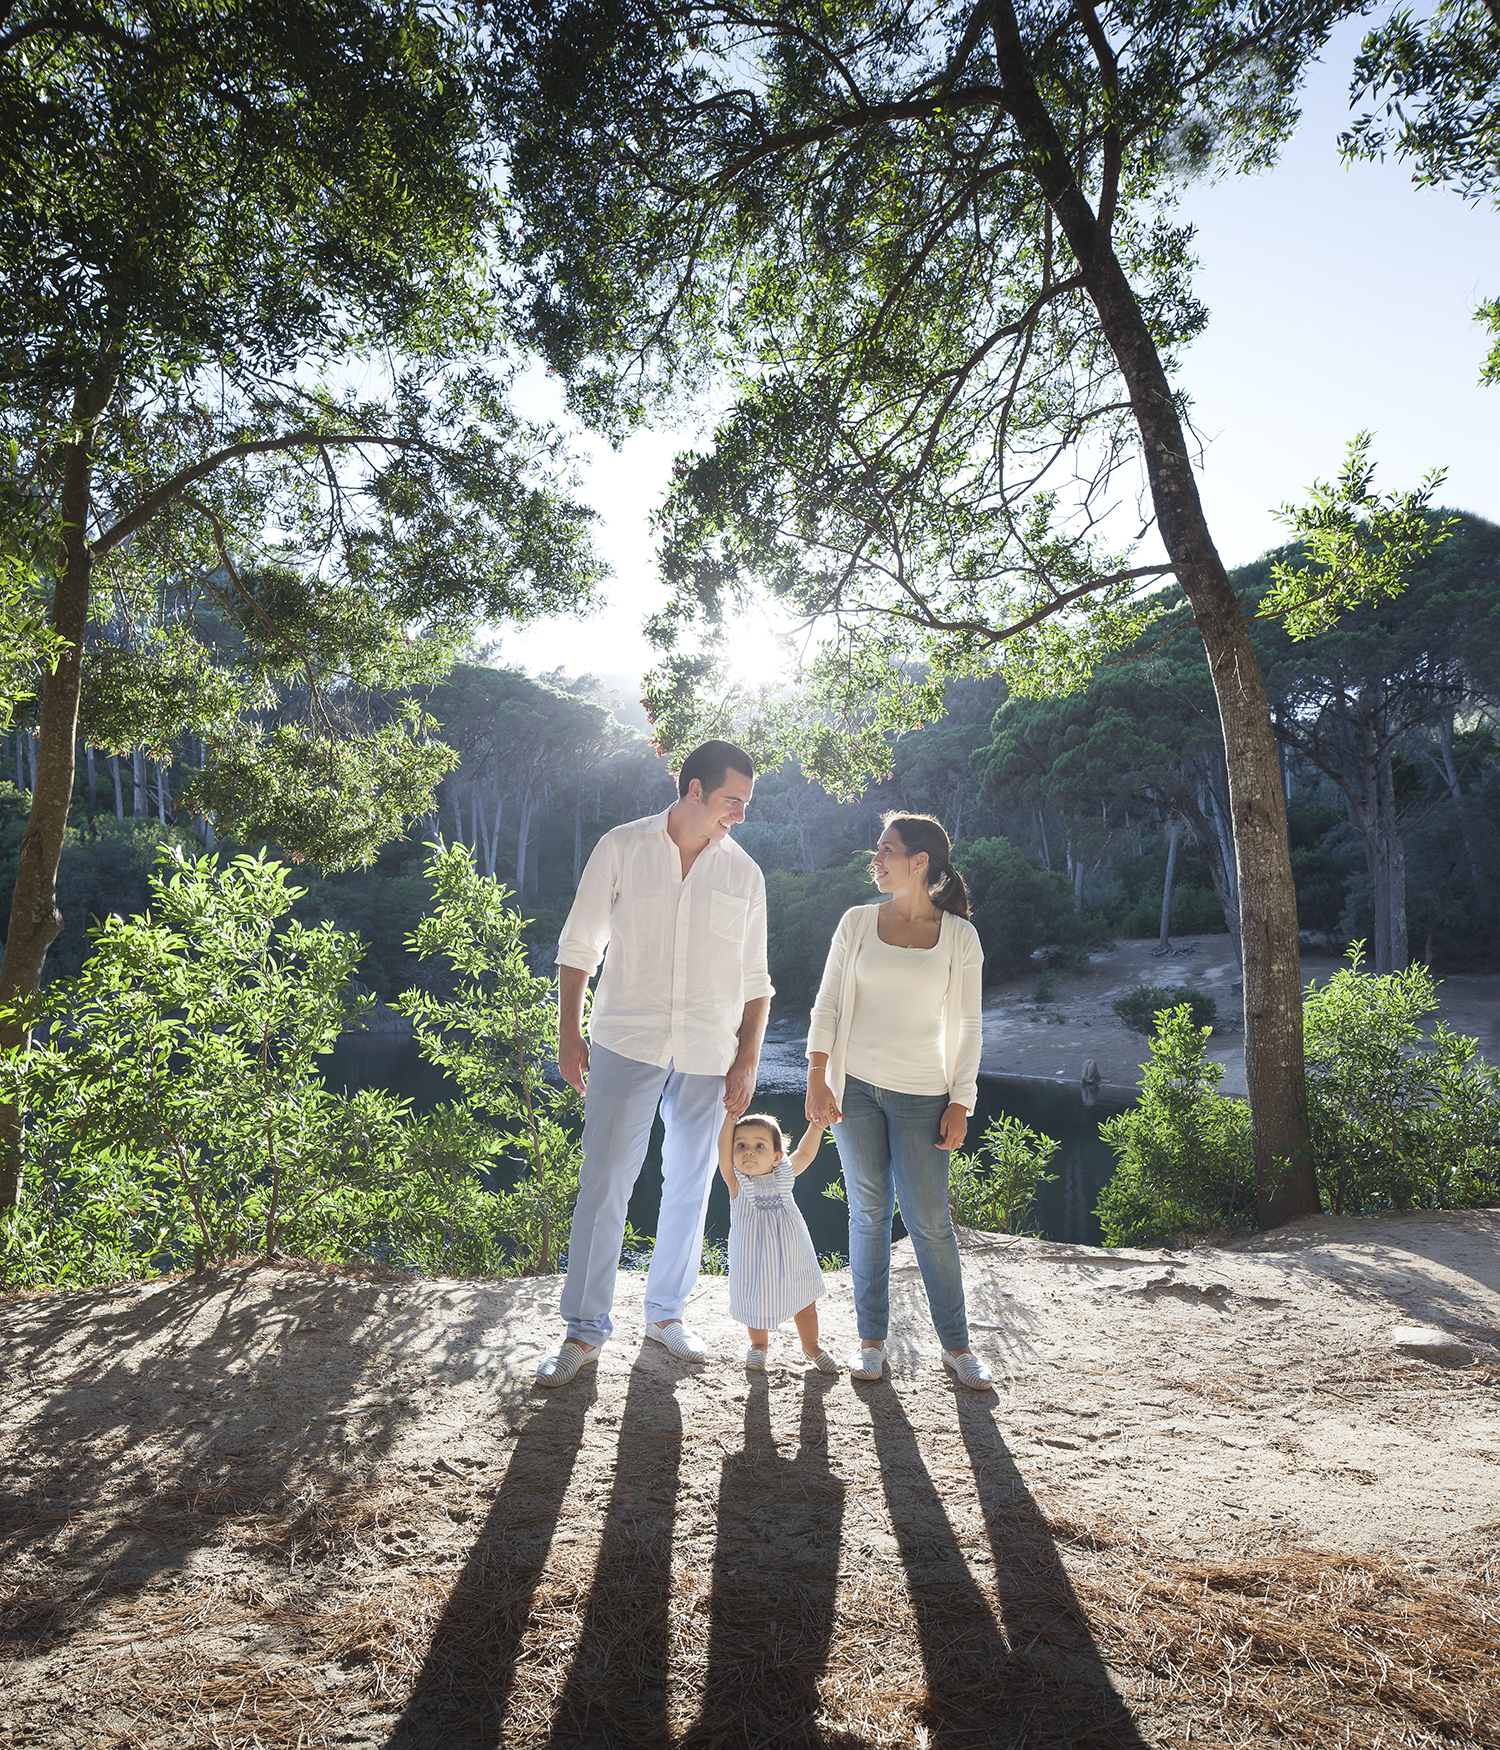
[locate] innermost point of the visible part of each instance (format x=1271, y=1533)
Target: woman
x=893, y=1053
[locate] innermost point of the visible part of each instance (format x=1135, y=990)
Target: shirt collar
x=658, y=823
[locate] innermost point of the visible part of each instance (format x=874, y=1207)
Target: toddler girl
x=773, y=1269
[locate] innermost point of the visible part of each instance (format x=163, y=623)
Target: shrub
x=495, y=1036
x=995, y=1187
x=1018, y=907
x=173, y=1102
x=1394, y=1125
x=1182, y=1155
x=1141, y=1008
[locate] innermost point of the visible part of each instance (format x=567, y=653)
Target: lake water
x=1064, y=1210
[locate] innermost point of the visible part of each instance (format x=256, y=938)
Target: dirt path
x=1209, y=1502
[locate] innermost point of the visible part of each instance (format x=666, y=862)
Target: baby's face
x=755, y=1150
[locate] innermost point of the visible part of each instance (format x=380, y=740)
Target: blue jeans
x=887, y=1143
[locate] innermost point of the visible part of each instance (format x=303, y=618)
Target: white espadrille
x=968, y=1369
x=564, y=1362
x=823, y=1361
x=867, y=1363
x=682, y=1342
x=755, y=1359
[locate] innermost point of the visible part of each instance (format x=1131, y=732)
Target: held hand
x=573, y=1060
x=821, y=1106
x=954, y=1127
x=739, y=1088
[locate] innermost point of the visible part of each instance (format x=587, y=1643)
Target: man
x=677, y=912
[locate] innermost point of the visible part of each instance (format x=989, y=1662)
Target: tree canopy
x=254, y=384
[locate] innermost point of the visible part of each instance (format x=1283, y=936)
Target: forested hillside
x=1068, y=813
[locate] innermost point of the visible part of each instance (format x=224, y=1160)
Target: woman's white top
x=910, y=1013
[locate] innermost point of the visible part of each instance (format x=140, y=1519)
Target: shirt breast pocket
x=726, y=916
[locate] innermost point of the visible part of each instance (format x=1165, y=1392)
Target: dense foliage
x=1398, y=1122
x=994, y=1186
x=176, y=1113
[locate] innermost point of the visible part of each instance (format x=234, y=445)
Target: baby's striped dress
x=773, y=1269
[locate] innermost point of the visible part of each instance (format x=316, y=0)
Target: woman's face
x=891, y=866
x=755, y=1149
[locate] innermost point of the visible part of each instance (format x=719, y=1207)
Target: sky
x=1340, y=301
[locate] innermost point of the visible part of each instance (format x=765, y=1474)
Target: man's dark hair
x=709, y=763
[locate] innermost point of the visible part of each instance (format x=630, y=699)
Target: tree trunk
x=114, y=772
x=1393, y=850
x=163, y=791
x=1455, y=790
x=34, y=917
x=31, y=759
x=140, y=802
x=20, y=769
x=523, y=832
x=1078, y=887
x=1041, y=821
x=1174, y=833
x=1274, y=1070
x=93, y=780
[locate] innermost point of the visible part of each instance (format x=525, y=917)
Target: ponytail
x=950, y=892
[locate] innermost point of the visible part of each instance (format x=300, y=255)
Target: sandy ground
x=1213, y=1499
x=1054, y=1040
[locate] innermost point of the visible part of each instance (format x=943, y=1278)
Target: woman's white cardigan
x=833, y=1012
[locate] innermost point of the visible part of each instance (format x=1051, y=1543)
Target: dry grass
x=613, y=1646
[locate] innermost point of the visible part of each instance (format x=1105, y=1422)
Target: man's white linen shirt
x=681, y=957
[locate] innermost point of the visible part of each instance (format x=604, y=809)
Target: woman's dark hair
x=924, y=832
x=709, y=763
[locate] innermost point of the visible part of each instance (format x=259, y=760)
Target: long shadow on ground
x=461, y=1693
x=1035, y=1678
x=770, y=1623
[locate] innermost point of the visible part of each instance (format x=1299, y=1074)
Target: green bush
x=1140, y=1008
x=1018, y=907
x=172, y=1098
x=1396, y=1124
x=995, y=1187
x=1182, y=1154
x=494, y=1037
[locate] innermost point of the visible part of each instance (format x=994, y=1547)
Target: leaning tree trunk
x=34, y=917
x=1274, y=1070
x=1174, y=834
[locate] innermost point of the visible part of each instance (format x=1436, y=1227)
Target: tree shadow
x=140, y=1418
x=1036, y=1677
x=462, y=1691
x=775, y=1580
x=616, y=1688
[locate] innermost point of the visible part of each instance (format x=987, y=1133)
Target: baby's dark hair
x=766, y=1122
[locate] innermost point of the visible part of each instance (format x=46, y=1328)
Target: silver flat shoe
x=564, y=1363
x=867, y=1363
x=969, y=1370
x=682, y=1342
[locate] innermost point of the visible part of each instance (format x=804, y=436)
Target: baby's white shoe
x=823, y=1361
x=755, y=1358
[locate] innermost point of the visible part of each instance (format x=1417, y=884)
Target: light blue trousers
x=887, y=1145
x=619, y=1102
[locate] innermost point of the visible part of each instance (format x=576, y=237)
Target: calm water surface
x=1064, y=1210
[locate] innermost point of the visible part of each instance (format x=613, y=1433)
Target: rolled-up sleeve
x=971, y=1021
x=823, y=1023
x=757, y=972
x=585, y=935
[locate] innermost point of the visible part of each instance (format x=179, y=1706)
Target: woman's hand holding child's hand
x=821, y=1109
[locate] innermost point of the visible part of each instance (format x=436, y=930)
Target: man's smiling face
x=726, y=806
